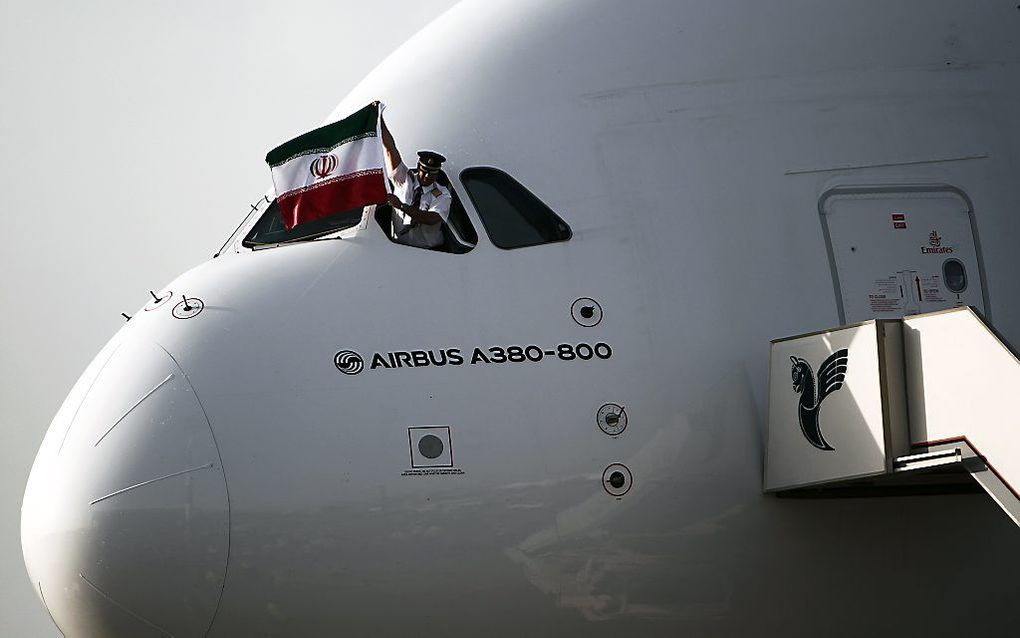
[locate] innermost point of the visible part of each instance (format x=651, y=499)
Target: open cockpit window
x=511, y=214
x=459, y=235
x=269, y=229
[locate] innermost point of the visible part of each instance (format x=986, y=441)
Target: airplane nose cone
x=124, y=525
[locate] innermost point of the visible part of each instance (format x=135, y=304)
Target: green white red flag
x=333, y=169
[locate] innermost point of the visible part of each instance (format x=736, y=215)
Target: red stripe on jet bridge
x=964, y=439
x=332, y=197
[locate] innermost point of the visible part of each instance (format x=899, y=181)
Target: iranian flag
x=333, y=169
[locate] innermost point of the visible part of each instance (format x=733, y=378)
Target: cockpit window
x=511, y=214
x=459, y=236
x=459, y=219
x=260, y=203
x=269, y=229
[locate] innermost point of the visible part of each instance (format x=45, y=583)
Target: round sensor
x=617, y=479
x=430, y=446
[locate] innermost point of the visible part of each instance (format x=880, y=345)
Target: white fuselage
x=687, y=145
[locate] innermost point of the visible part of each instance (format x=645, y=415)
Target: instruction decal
x=886, y=295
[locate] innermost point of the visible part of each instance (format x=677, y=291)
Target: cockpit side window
x=513, y=216
x=459, y=219
x=269, y=229
x=260, y=203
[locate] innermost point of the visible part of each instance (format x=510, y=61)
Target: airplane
x=555, y=424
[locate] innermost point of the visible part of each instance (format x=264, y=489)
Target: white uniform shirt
x=434, y=198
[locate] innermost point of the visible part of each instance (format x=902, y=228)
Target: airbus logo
x=349, y=362
x=323, y=166
x=830, y=378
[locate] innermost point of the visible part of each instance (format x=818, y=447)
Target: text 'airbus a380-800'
x=556, y=421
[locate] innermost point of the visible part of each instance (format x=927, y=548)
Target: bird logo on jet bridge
x=830, y=378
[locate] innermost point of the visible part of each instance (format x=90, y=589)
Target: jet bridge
x=926, y=402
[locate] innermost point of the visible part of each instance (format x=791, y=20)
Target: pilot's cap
x=430, y=161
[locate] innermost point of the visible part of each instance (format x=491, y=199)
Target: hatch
x=897, y=251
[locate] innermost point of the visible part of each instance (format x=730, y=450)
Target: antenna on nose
x=188, y=308
x=158, y=299
x=126, y=316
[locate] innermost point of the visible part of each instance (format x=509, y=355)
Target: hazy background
x=133, y=136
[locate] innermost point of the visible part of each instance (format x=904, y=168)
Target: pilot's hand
x=394, y=201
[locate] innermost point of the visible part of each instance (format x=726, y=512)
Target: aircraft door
x=898, y=251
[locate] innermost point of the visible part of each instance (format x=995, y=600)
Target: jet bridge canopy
x=885, y=399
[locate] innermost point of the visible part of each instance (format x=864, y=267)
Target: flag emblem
x=324, y=166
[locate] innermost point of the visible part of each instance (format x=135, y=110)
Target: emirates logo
x=323, y=166
x=934, y=239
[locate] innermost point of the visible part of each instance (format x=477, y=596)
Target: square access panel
x=897, y=251
x=431, y=446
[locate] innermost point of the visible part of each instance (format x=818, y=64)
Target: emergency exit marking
x=899, y=221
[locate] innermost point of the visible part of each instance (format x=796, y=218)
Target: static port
x=586, y=312
x=430, y=446
x=617, y=479
x=612, y=419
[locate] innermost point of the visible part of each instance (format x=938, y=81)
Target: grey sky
x=134, y=135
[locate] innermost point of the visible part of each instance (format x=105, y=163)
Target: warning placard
x=886, y=296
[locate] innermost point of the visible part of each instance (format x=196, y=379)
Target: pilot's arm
x=397, y=170
x=436, y=213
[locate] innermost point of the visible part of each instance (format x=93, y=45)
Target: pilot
x=420, y=204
